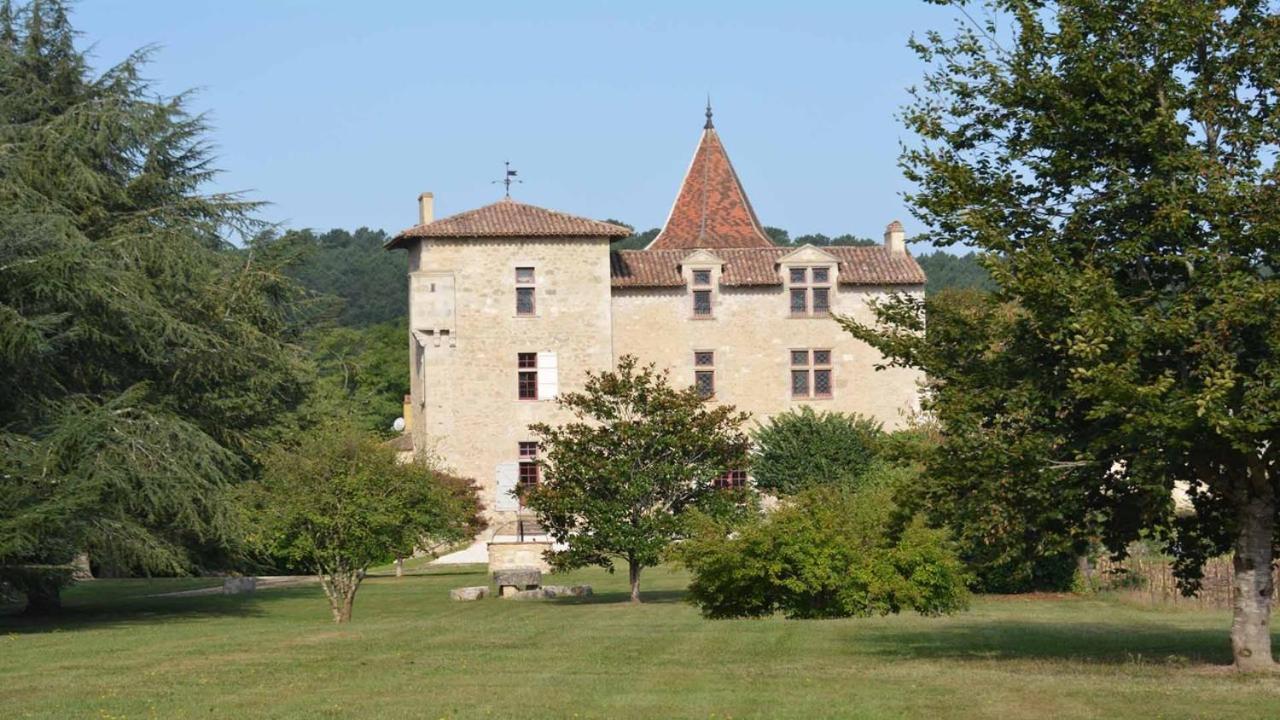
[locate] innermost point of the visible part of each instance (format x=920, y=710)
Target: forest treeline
x=364, y=285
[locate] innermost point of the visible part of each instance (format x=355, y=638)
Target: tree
x=802, y=448
x=338, y=502
x=946, y=270
x=619, y=481
x=145, y=363
x=1018, y=521
x=829, y=552
x=1115, y=163
x=360, y=371
x=350, y=274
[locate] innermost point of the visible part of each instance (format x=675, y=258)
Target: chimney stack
x=426, y=208
x=895, y=238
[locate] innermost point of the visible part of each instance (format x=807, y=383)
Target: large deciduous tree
x=1116, y=159
x=338, y=501
x=619, y=480
x=144, y=361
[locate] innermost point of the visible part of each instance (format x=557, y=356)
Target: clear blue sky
x=339, y=114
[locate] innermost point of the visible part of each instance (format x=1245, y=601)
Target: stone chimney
x=426, y=208
x=895, y=238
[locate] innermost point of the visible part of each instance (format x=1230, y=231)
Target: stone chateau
x=511, y=304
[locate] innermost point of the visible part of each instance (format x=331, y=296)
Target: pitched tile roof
x=744, y=267
x=711, y=210
x=508, y=218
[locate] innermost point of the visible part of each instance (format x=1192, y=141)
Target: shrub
x=802, y=449
x=828, y=552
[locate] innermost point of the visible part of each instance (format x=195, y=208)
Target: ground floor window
x=732, y=479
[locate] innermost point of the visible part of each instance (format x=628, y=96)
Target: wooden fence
x=1148, y=577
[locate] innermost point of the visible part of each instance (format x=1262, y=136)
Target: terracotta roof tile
x=508, y=218
x=711, y=210
x=744, y=267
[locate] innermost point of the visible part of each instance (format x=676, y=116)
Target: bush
x=801, y=449
x=828, y=552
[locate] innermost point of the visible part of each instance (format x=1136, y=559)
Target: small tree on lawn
x=619, y=480
x=340, y=502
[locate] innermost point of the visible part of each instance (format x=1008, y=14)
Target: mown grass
x=412, y=653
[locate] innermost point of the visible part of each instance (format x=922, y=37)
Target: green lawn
x=411, y=653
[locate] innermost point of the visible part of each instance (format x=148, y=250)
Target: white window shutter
x=504, y=487
x=548, y=376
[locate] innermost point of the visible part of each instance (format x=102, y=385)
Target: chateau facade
x=512, y=304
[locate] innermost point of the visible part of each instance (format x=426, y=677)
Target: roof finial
x=708, y=126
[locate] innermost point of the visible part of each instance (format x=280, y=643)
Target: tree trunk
x=43, y=599
x=399, y=566
x=633, y=571
x=340, y=587
x=1254, y=586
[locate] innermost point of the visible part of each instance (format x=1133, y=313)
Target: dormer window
x=809, y=291
x=701, y=281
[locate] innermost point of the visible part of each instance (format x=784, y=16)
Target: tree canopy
x=144, y=363
x=620, y=479
x=1115, y=163
x=338, y=501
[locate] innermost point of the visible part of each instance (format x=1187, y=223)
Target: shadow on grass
x=93, y=613
x=1115, y=643
x=647, y=597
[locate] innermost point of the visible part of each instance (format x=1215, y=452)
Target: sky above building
x=340, y=114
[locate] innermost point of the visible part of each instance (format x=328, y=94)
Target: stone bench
x=514, y=580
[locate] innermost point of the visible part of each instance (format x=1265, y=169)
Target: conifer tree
x=144, y=361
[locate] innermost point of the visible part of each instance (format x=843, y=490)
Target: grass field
x=412, y=653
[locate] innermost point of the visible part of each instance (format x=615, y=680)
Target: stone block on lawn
x=535, y=594
x=469, y=593
x=239, y=585
x=556, y=591
x=523, y=578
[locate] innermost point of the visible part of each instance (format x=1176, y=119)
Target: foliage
x=800, y=449
x=828, y=552
x=1115, y=164
x=145, y=363
x=1018, y=523
x=339, y=502
x=352, y=278
x=634, y=241
x=946, y=270
x=361, y=373
x=620, y=479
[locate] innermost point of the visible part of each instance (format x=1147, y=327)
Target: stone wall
x=508, y=555
x=752, y=333
x=466, y=336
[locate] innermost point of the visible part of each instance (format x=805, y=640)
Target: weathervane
x=507, y=178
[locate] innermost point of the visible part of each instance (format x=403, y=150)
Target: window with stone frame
x=528, y=473
x=704, y=373
x=702, y=293
x=526, y=289
x=732, y=480
x=811, y=374
x=809, y=291
x=527, y=375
